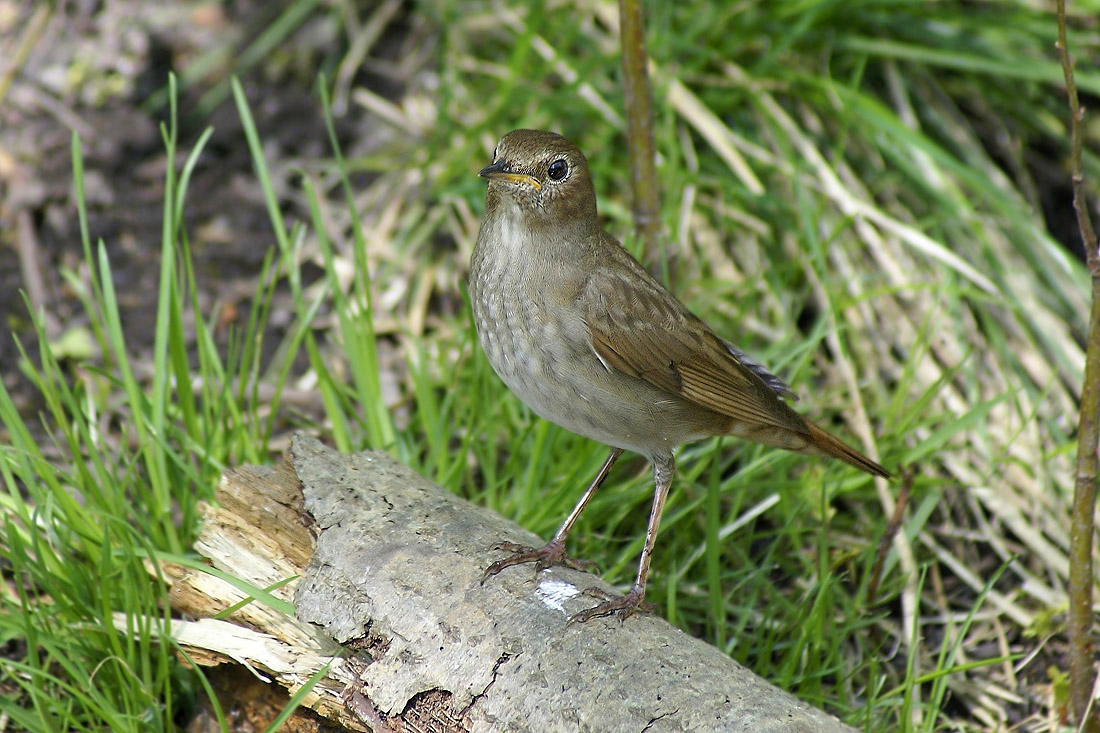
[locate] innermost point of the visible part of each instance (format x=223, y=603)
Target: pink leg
x=663, y=470
x=553, y=552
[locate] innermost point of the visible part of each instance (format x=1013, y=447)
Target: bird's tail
x=827, y=444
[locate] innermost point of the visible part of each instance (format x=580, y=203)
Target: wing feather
x=675, y=352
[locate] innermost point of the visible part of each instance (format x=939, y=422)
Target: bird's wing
x=776, y=384
x=674, y=351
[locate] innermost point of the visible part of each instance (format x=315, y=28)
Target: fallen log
x=383, y=569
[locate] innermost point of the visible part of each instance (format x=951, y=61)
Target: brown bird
x=578, y=329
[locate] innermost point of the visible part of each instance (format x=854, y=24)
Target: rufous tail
x=826, y=444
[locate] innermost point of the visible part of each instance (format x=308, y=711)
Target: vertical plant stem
x=1082, y=671
x=638, y=99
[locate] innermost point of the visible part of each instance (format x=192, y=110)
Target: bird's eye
x=557, y=170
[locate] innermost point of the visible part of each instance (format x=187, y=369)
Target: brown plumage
x=578, y=329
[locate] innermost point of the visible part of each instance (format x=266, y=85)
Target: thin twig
x=887, y=540
x=1082, y=672
x=638, y=99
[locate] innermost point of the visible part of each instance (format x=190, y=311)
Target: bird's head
x=543, y=178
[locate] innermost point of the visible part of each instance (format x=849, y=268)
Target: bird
x=578, y=329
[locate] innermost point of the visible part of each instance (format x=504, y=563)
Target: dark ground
x=126, y=50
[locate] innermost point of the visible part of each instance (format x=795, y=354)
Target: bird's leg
x=553, y=552
x=624, y=606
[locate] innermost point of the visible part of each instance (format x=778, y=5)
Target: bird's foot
x=552, y=553
x=615, y=605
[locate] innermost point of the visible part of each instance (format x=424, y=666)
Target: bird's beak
x=499, y=171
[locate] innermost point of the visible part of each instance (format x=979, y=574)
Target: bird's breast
x=530, y=321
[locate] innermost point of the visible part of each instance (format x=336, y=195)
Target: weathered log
x=391, y=600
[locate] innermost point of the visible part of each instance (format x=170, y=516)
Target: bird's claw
x=614, y=605
x=550, y=554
